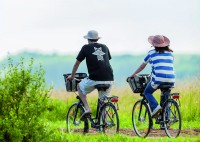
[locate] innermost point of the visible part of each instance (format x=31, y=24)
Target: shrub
x=23, y=99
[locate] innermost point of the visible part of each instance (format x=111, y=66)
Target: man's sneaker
x=156, y=111
x=86, y=130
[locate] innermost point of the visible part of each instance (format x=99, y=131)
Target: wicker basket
x=139, y=82
x=71, y=85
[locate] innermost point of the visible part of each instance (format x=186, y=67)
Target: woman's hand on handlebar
x=130, y=77
x=133, y=75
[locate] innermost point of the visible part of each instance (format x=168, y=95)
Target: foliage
x=56, y=110
x=23, y=99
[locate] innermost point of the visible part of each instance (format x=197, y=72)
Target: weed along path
x=153, y=133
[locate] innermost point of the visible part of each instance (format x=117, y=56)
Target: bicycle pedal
x=88, y=115
x=158, y=121
x=162, y=127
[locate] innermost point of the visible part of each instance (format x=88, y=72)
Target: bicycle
x=169, y=118
x=106, y=119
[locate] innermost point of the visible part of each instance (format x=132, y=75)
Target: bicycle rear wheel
x=74, y=124
x=141, y=119
x=172, y=118
x=109, y=119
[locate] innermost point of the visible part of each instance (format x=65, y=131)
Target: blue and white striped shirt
x=162, y=67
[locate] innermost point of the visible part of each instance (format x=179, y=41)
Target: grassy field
x=190, y=111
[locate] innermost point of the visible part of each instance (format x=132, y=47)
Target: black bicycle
x=170, y=117
x=106, y=119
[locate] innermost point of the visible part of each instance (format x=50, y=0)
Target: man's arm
x=76, y=65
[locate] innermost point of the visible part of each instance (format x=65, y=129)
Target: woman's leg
x=164, y=96
x=148, y=92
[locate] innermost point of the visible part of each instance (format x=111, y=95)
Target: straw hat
x=159, y=41
x=92, y=35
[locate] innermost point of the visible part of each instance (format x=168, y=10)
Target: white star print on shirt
x=99, y=53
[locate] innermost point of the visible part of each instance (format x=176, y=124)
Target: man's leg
x=84, y=100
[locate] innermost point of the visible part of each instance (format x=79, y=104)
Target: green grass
x=125, y=138
x=190, y=111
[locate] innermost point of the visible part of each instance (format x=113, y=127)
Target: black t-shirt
x=97, y=59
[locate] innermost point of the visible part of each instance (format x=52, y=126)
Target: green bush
x=57, y=110
x=23, y=100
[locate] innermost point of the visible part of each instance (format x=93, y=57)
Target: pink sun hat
x=159, y=41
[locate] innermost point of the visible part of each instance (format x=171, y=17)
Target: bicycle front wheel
x=141, y=119
x=172, y=119
x=109, y=119
x=74, y=124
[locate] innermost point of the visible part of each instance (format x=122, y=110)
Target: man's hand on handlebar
x=70, y=77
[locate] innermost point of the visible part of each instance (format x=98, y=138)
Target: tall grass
x=190, y=111
x=189, y=99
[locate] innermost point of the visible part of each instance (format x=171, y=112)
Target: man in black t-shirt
x=100, y=71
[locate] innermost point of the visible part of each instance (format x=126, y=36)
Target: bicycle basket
x=138, y=83
x=71, y=85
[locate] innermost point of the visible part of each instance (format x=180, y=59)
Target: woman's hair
x=163, y=49
x=93, y=40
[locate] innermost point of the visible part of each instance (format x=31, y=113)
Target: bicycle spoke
x=141, y=119
x=172, y=119
x=108, y=114
x=109, y=119
x=74, y=124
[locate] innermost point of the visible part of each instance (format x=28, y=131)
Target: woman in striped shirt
x=161, y=60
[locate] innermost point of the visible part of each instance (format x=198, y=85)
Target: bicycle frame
x=93, y=123
x=174, y=97
x=78, y=104
x=143, y=100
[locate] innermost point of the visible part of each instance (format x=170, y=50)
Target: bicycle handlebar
x=77, y=79
x=139, y=76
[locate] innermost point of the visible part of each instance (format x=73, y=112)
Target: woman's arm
x=141, y=67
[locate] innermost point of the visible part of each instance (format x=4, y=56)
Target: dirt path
x=153, y=133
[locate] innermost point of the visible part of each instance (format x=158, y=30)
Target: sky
x=58, y=26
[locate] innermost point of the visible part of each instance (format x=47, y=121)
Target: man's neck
x=91, y=42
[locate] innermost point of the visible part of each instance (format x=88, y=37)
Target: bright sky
x=49, y=26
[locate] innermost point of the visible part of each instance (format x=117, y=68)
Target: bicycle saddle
x=102, y=87
x=165, y=86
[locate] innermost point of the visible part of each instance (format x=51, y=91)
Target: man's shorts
x=87, y=85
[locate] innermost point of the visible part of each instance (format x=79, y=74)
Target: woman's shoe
x=156, y=111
